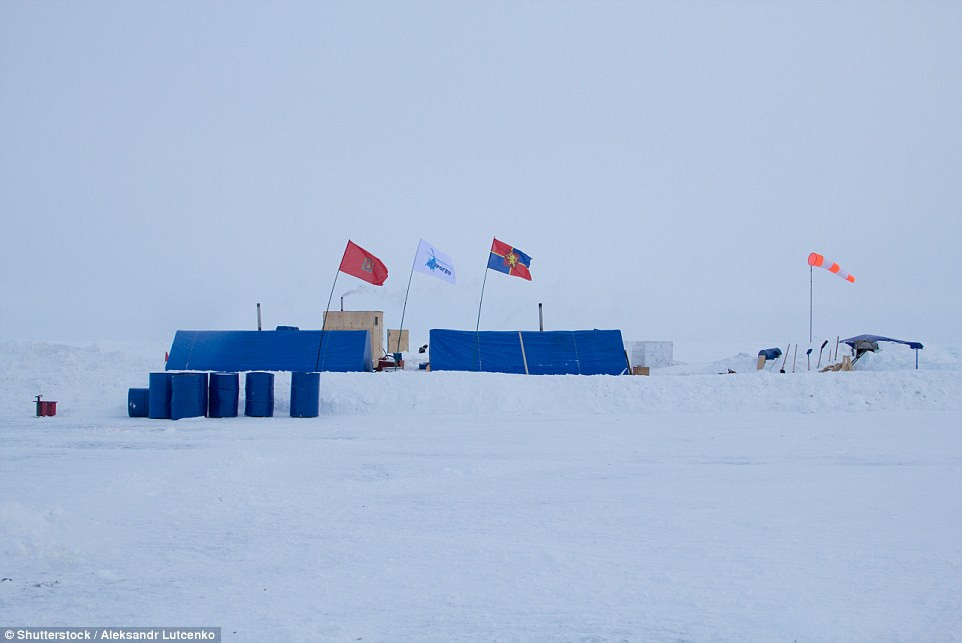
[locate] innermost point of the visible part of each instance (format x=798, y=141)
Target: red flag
x=360, y=263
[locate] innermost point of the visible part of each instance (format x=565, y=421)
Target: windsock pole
x=811, y=299
x=817, y=260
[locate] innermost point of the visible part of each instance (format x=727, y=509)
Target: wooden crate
x=392, y=341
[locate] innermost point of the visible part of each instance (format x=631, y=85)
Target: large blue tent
x=560, y=352
x=280, y=350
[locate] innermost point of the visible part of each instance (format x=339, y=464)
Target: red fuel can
x=46, y=408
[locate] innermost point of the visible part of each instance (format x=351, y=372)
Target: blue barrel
x=188, y=395
x=224, y=395
x=305, y=391
x=259, y=395
x=158, y=405
x=138, y=400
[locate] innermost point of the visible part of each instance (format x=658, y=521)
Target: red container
x=46, y=409
x=386, y=363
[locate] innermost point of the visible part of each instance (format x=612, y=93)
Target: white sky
x=668, y=166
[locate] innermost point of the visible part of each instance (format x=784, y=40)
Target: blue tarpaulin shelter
x=560, y=352
x=854, y=341
x=878, y=338
x=280, y=350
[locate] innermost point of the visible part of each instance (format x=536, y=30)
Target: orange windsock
x=819, y=261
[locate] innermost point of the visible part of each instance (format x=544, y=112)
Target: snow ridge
x=92, y=381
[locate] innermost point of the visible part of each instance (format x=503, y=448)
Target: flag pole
x=320, y=342
x=405, y=307
x=483, y=281
x=477, y=328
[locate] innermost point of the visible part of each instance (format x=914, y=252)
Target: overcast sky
x=668, y=166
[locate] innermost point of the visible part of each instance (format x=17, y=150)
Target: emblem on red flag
x=360, y=263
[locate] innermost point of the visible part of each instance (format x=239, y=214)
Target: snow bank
x=84, y=379
x=92, y=381
x=482, y=393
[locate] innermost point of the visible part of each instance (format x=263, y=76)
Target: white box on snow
x=650, y=354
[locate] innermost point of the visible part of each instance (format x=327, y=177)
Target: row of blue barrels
x=181, y=395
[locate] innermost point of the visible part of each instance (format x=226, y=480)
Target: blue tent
x=270, y=350
x=560, y=352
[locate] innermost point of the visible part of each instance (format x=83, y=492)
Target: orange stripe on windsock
x=819, y=261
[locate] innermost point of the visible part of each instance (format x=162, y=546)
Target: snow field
x=447, y=506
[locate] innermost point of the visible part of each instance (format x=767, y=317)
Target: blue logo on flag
x=434, y=264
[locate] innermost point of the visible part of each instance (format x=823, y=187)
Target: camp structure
x=270, y=350
x=862, y=344
x=370, y=320
x=560, y=352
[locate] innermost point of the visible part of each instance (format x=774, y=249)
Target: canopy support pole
x=524, y=357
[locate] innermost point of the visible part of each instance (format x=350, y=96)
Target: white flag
x=432, y=261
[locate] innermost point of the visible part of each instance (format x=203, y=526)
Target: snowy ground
x=687, y=506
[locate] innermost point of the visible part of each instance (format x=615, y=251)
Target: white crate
x=650, y=354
